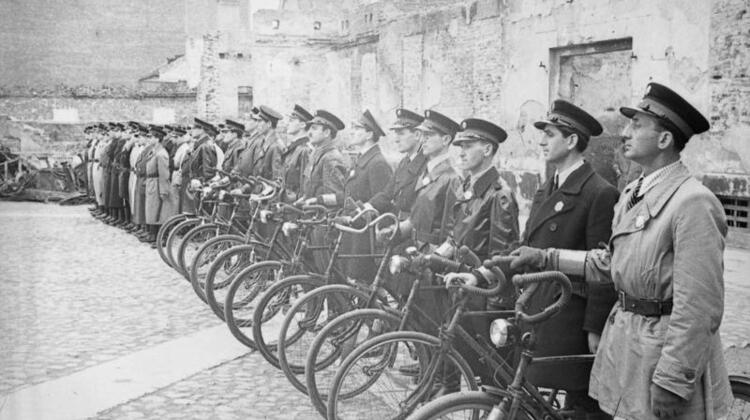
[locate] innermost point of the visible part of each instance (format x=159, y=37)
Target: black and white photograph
x=375, y=209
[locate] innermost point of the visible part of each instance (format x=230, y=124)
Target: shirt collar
x=654, y=178
x=563, y=175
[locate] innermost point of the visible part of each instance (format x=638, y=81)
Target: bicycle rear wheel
x=306, y=318
x=335, y=342
x=370, y=384
x=272, y=308
x=206, y=255
x=174, y=241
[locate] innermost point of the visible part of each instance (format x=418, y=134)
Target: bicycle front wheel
x=471, y=405
x=163, y=234
x=305, y=319
x=391, y=375
x=335, y=342
x=174, y=241
x=206, y=255
x=225, y=268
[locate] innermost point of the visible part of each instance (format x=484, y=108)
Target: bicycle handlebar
x=364, y=229
x=530, y=283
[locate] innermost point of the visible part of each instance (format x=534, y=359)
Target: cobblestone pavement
x=77, y=293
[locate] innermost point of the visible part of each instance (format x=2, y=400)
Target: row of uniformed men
x=441, y=209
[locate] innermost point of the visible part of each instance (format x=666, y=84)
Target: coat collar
x=488, y=179
x=574, y=183
x=202, y=140
x=629, y=221
x=443, y=168
x=295, y=144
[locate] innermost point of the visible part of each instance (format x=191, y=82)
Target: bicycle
x=248, y=282
x=343, y=334
x=353, y=392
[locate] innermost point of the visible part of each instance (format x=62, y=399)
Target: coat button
x=553, y=226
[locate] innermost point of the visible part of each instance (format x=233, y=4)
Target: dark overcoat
x=578, y=215
x=370, y=174
x=399, y=194
x=294, y=159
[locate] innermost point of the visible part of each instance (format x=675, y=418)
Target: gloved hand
x=287, y=228
x=528, y=259
x=666, y=404
x=195, y=184
x=384, y=234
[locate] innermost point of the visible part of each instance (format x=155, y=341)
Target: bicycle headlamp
x=500, y=332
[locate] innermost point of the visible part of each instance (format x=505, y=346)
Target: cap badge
x=559, y=206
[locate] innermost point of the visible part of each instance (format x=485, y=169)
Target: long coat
x=294, y=159
x=669, y=245
x=434, y=195
x=325, y=173
x=158, y=206
x=139, y=215
x=399, y=194
x=370, y=174
x=578, y=215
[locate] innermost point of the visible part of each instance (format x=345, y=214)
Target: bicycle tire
x=231, y=262
x=206, y=254
x=478, y=403
x=163, y=234
x=339, y=328
x=407, y=343
x=740, y=408
x=269, y=304
x=205, y=231
x=236, y=304
x=175, y=239
x=338, y=298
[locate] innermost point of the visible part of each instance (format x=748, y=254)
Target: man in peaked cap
x=203, y=160
x=369, y=175
x=232, y=141
x=257, y=159
x=428, y=223
x=484, y=212
x=295, y=153
x=157, y=204
x=573, y=209
x=660, y=353
x=398, y=195
x=325, y=176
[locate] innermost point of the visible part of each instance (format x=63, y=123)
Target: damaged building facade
x=502, y=60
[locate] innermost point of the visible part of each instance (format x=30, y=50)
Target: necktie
x=467, y=183
x=634, y=198
x=556, y=182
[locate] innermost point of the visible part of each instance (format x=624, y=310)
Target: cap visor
x=541, y=124
x=629, y=112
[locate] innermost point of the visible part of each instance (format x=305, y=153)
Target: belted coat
x=668, y=246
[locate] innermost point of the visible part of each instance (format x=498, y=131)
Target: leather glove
x=382, y=235
x=666, y=404
x=528, y=259
x=287, y=228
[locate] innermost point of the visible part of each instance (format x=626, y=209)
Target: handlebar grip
x=499, y=260
x=530, y=283
x=441, y=264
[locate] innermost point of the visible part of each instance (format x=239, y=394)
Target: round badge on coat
x=351, y=174
x=468, y=195
x=640, y=221
x=559, y=206
x=426, y=180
